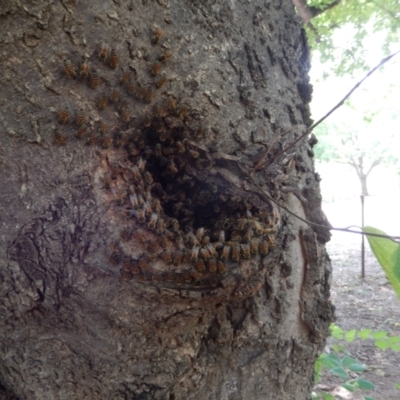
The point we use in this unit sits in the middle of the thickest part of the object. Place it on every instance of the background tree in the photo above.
(350, 52)
(140, 257)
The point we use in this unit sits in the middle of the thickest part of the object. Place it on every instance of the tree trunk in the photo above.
(122, 172)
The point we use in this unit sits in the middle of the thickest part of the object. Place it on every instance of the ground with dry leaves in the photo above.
(369, 303)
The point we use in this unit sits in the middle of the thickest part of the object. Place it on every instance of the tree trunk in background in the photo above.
(109, 287)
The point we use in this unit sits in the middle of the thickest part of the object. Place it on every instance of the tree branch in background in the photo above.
(307, 13)
(261, 162)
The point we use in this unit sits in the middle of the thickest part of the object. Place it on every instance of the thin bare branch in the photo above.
(268, 197)
(341, 102)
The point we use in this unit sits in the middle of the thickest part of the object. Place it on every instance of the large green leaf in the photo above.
(387, 252)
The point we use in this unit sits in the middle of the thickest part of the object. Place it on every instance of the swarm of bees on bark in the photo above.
(175, 229)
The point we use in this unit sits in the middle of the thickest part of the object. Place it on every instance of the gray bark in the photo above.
(86, 312)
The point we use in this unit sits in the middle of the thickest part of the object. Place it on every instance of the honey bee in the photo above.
(254, 246)
(178, 258)
(125, 234)
(126, 275)
(134, 201)
(170, 276)
(141, 216)
(152, 247)
(148, 178)
(126, 263)
(69, 69)
(160, 128)
(136, 173)
(225, 252)
(213, 280)
(63, 116)
(194, 154)
(142, 278)
(171, 103)
(235, 236)
(126, 115)
(153, 221)
(158, 150)
(103, 52)
(195, 253)
(156, 36)
(84, 70)
(172, 168)
(102, 101)
(133, 150)
(143, 264)
(235, 251)
(186, 256)
(179, 279)
(103, 128)
(131, 87)
(80, 118)
(205, 254)
(205, 241)
(200, 233)
(174, 225)
(126, 77)
(169, 151)
(123, 104)
(94, 80)
(156, 68)
(164, 241)
(156, 278)
(264, 247)
(148, 95)
(187, 278)
(182, 112)
(220, 236)
(248, 235)
(114, 259)
(114, 59)
(221, 267)
(211, 249)
(107, 142)
(134, 267)
(212, 265)
(160, 226)
(200, 266)
(166, 257)
(92, 140)
(161, 82)
(165, 56)
(245, 250)
(196, 275)
(257, 226)
(271, 241)
(180, 147)
(59, 140)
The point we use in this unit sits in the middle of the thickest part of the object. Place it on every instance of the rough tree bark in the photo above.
(110, 288)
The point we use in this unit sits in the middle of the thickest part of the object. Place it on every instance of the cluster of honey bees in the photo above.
(176, 229)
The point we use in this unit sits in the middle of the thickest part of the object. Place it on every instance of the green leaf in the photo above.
(339, 371)
(328, 396)
(336, 332)
(368, 398)
(346, 361)
(331, 361)
(394, 339)
(364, 333)
(364, 384)
(382, 344)
(379, 335)
(349, 387)
(397, 386)
(395, 346)
(387, 252)
(350, 335)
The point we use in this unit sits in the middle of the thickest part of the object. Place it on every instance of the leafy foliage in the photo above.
(346, 366)
(348, 53)
(387, 252)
